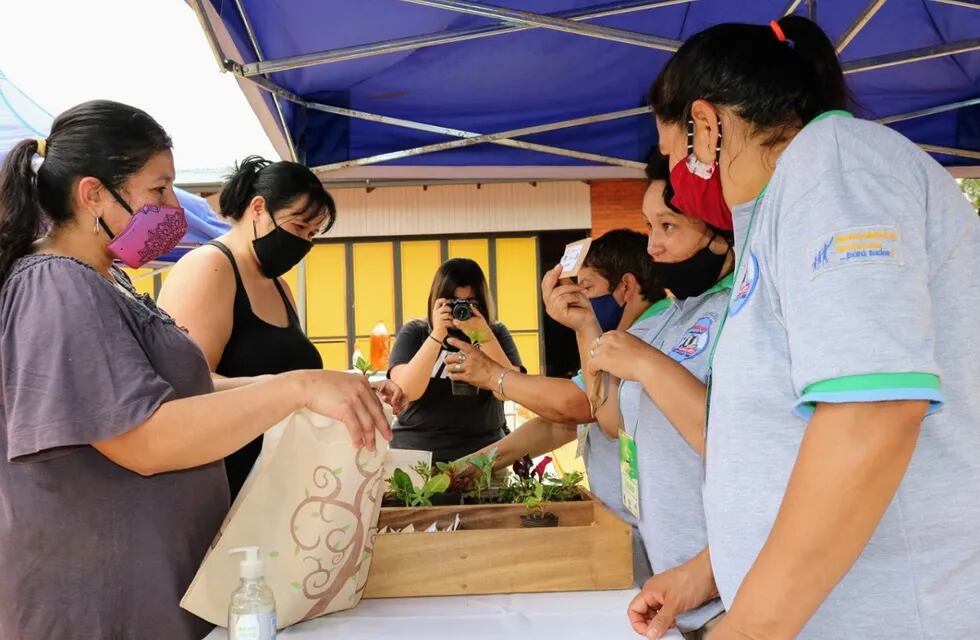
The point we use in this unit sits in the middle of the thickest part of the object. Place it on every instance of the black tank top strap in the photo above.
(240, 294)
(290, 312)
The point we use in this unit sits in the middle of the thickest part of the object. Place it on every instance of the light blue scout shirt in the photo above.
(601, 455)
(670, 471)
(860, 282)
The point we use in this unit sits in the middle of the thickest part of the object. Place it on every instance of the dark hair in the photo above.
(462, 272)
(658, 166)
(102, 139)
(621, 251)
(771, 84)
(280, 184)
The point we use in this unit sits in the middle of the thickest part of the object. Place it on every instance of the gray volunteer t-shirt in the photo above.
(601, 454)
(87, 548)
(670, 471)
(858, 284)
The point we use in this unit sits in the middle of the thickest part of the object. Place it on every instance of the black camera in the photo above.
(462, 309)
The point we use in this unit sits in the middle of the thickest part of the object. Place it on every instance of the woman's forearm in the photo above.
(494, 351)
(851, 462)
(534, 438)
(679, 395)
(585, 339)
(608, 416)
(222, 383)
(555, 399)
(194, 431)
(413, 377)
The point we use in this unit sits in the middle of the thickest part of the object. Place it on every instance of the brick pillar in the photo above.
(617, 204)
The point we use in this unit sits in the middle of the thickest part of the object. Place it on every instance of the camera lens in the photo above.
(462, 311)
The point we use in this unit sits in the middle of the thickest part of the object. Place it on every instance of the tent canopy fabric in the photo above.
(523, 77)
(21, 117)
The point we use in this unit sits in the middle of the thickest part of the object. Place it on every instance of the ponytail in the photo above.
(280, 184)
(771, 82)
(817, 53)
(239, 188)
(21, 218)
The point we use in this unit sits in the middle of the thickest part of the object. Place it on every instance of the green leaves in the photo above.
(401, 485)
(364, 366)
(436, 484)
(484, 462)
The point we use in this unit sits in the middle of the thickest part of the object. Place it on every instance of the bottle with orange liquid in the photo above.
(380, 347)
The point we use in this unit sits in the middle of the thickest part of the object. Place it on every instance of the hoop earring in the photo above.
(97, 219)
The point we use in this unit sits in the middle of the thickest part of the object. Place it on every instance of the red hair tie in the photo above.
(777, 30)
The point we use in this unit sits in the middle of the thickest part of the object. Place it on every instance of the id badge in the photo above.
(583, 437)
(629, 470)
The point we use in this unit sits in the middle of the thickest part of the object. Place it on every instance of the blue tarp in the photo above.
(538, 76)
(21, 117)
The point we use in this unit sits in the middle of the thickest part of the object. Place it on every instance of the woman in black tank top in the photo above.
(254, 348)
(230, 295)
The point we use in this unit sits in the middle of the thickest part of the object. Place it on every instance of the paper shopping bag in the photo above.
(311, 504)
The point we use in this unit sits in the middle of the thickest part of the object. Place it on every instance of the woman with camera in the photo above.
(450, 419)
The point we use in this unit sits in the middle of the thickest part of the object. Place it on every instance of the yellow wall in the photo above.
(420, 259)
(518, 296)
(326, 292)
(476, 249)
(374, 288)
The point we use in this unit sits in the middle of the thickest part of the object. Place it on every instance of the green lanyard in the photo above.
(721, 327)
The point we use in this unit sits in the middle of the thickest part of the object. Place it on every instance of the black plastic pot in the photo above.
(445, 499)
(538, 520)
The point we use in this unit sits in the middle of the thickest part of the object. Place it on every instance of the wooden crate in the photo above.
(590, 549)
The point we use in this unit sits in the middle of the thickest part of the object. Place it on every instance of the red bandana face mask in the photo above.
(694, 187)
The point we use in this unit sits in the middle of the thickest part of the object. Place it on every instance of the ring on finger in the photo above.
(461, 358)
(458, 368)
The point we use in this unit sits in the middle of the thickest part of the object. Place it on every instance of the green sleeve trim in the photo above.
(872, 387)
(875, 381)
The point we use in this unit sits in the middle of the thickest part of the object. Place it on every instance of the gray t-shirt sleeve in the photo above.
(73, 369)
(852, 284)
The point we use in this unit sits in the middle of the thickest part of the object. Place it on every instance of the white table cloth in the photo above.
(590, 615)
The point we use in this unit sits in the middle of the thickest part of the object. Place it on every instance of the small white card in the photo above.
(574, 257)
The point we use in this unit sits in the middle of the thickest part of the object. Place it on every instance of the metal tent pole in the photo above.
(915, 55)
(275, 100)
(951, 151)
(556, 24)
(443, 37)
(921, 113)
(859, 23)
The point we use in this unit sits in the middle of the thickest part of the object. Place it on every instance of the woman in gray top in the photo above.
(843, 454)
(111, 428)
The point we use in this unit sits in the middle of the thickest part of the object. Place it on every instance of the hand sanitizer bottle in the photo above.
(252, 612)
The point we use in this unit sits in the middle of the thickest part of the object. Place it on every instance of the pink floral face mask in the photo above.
(153, 231)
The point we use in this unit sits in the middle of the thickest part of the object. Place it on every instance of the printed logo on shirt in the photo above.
(746, 287)
(694, 341)
(439, 369)
(854, 246)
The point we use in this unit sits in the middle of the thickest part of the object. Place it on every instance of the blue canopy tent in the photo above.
(537, 89)
(21, 117)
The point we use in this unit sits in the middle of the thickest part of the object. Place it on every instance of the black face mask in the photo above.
(279, 251)
(694, 276)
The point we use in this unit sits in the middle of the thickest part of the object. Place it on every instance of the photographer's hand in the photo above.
(442, 319)
(476, 324)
